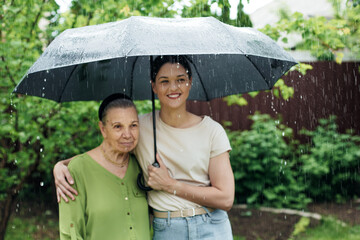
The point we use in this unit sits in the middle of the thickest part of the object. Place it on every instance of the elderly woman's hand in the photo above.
(159, 178)
(63, 180)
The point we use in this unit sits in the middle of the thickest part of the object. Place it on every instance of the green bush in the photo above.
(330, 163)
(263, 165)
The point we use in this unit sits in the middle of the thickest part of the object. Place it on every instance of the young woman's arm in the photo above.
(220, 193)
(63, 180)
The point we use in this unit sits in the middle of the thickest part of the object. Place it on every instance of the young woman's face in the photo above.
(172, 85)
(121, 129)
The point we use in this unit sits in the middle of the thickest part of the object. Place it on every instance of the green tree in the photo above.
(326, 39)
(21, 143)
(202, 8)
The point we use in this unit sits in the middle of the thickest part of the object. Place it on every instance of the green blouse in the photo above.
(107, 206)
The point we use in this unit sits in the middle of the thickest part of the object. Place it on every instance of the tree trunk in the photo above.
(9, 202)
(5, 213)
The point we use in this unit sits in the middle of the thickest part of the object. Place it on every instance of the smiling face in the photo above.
(172, 85)
(120, 129)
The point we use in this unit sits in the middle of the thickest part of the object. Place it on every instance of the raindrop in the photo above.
(44, 79)
(43, 95)
(37, 138)
(47, 71)
(41, 184)
(41, 149)
(283, 134)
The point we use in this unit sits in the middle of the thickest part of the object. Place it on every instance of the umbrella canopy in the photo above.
(90, 63)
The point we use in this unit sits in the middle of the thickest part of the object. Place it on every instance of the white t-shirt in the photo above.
(185, 151)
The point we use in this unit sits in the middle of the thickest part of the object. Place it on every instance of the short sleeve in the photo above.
(72, 213)
(219, 142)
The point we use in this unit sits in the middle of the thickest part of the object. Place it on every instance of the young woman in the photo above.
(109, 203)
(194, 186)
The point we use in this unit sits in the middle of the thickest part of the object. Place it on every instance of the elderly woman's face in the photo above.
(121, 129)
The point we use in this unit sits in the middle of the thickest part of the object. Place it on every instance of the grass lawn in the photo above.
(43, 227)
(330, 229)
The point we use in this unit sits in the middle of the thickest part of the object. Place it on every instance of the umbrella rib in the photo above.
(67, 81)
(229, 34)
(227, 30)
(201, 81)
(132, 77)
(263, 77)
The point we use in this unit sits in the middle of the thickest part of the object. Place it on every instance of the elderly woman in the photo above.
(109, 204)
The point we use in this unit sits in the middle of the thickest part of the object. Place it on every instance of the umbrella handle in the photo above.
(141, 185)
(156, 164)
(140, 178)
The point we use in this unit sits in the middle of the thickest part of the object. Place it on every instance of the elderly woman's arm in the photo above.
(72, 217)
(220, 193)
(63, 179)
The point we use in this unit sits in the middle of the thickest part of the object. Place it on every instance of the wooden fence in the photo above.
(328, 89)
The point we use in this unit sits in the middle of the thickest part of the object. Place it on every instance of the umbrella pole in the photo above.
(140, 179)
(156, 163)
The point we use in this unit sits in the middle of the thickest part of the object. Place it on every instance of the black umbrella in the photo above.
(90, 63)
